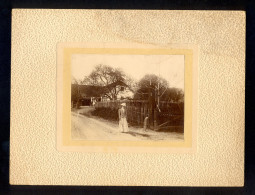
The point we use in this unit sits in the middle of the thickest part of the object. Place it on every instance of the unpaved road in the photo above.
(93, 128)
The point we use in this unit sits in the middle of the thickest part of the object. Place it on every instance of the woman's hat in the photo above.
(123, 104)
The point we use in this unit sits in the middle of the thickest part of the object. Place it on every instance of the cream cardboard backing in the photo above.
(219, 156)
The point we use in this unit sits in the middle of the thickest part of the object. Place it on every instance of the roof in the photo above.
(96, 91)
(89, 90)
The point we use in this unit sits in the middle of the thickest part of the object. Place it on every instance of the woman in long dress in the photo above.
(123, 125)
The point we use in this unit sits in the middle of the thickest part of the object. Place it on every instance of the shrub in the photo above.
(106, 113)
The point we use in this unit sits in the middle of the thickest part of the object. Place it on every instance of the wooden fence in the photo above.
(165, 114)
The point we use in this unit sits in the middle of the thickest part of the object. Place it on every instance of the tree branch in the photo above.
(102, 79)
(108, 96)
(163, 92)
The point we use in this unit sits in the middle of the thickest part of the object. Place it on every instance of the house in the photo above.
(124, 91)
(127, 93)
(87, 95)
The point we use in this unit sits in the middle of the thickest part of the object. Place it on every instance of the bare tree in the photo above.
(151, 83)
(111, 79)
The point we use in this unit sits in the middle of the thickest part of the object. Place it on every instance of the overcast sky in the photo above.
(170, 67)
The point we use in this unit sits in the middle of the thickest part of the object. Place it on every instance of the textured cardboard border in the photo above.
(219, 159)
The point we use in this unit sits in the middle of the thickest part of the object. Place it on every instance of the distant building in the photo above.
(88, 95)
(125, 92)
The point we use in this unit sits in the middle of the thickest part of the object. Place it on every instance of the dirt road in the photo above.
(93, 128)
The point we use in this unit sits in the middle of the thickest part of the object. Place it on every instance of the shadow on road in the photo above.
(137, 134)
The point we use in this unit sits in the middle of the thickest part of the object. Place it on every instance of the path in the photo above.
(93, 128)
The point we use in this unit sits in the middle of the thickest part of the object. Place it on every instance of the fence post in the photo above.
(137, 109)
(141, 114)
(151, 108)
(132, 112)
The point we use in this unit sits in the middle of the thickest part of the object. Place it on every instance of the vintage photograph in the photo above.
(127, 97)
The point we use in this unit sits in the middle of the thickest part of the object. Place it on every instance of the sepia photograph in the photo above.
(127, 97)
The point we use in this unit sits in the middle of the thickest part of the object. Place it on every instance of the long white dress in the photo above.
(123, 125)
